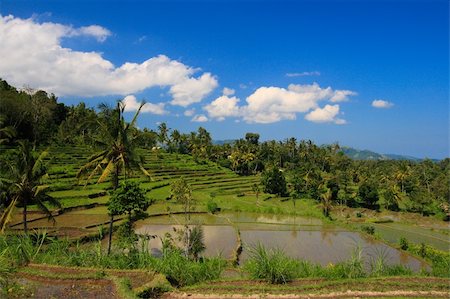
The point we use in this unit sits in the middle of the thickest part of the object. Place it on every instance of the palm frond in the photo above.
(39, 163)
(106, 172)
(7, 214)
(133, 121)
(44, 209)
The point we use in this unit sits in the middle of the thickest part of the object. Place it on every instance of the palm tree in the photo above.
(6, 132)
(25, 185)
(118, 151)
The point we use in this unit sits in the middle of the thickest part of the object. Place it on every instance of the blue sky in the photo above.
(367, 74)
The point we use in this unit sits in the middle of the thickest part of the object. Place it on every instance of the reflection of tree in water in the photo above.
(326, 236)
(294, 232)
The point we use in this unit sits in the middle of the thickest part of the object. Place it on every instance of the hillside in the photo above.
(357, 154)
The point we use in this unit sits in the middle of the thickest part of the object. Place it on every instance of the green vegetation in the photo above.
(56, 160)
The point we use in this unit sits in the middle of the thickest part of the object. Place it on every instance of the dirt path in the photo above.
(347, 294)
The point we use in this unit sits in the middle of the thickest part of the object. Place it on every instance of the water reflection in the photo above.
(316, 243)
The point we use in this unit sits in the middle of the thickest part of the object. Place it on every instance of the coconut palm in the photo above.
(25, 184)
(118, 154)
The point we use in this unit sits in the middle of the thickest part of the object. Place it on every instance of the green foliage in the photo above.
(181, 192)
(181, 271)
(404, 244)
(274, 182)
(271, 265)
(368, 194)
(25, 184)
(212, 206)
(369, 229)
(353, 268)
(127, 199)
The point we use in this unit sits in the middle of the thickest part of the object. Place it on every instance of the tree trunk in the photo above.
(25, 227)
(110, 233)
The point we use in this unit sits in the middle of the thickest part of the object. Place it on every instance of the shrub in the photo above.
(404, 244)
(272, 266)
(212, 207)
(369, 229)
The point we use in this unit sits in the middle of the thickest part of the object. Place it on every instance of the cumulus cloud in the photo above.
(223, 107)
(342, 96)
(131, 104)
(200, 118)
(189, 112)
(273, 104)
(325, 114)
(98, 32)
(192, 90)
(382, 104)
(45, 64)
(228, 91)
(302, 74)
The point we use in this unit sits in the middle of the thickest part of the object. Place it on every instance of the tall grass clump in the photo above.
(182, 271)
(271, 265)
(379, 266)
(352, 268)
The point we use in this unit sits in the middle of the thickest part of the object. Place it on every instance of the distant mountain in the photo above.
(369, 155)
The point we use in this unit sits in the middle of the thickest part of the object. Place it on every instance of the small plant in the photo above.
(369, 229)
(404, 244)
(422, 250)
(212, 207)
(272, 266)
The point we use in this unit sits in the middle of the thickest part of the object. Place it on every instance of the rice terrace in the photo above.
(255, 190)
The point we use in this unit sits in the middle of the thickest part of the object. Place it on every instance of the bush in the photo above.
(369, 229)
(272, 266)
(212, 207)
(404, 244)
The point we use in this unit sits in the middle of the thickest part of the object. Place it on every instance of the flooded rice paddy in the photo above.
(299, 237)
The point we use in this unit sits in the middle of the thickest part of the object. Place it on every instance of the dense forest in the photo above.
(290, 168)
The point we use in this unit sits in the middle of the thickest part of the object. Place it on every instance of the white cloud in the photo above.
(189, 112)
(45, 64)
(200, 118)
(223, 107)
(131, 104)
(243, 86)
(325, 114)
(98, 32)
(273, 104)
(228, 91)
(192, 90)
(302, 74)
(342, 96)
(382, 104)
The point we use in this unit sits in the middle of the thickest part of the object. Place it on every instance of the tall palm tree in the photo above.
(118, 152)
(25, 184)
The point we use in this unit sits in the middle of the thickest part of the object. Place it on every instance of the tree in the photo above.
(182, 193)
(118, 151)
(274, 182)
(163, 133)
(127, 199)
(26, 188)
(368, 193)
(257, 190)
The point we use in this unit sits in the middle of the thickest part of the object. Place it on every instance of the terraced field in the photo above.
(84, 202)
